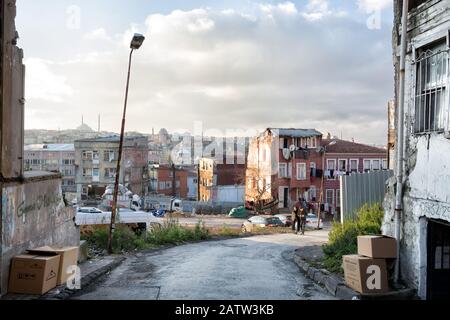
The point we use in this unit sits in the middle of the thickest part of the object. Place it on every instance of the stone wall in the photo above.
(33, 215)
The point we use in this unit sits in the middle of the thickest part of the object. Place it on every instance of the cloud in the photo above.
(231, 70)
(317, 10)
(97, 34)
(42, 83)
(370, 6)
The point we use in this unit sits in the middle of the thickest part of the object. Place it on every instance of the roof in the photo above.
(50, 147)
(343, 146)
(296, 133)
(111, 139)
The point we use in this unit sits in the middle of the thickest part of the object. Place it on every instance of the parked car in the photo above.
(287, 220)
(261, 222)
(89, 210)
(311, 222)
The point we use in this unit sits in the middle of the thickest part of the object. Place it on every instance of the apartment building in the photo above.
(96, 163)
(53, 158)
(282, 167)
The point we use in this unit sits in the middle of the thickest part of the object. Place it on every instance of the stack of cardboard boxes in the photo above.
(367, 272)
(42, 269)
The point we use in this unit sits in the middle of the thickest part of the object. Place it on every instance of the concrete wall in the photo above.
(33, 215)
(12, 95)
(427, 172)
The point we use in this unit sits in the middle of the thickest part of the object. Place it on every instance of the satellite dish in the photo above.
(292, 148)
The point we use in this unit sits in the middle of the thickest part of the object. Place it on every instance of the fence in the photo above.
(358, 189)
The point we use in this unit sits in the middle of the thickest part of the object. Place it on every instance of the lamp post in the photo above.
(136, 43)
(322, 182)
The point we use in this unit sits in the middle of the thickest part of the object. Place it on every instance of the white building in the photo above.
(424, 222)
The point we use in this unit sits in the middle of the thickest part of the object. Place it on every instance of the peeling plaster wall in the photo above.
(34, 215)
(427, 157)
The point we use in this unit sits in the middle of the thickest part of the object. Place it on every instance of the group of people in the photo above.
(299, 214)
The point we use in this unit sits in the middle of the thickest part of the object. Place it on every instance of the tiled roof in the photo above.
(343, 146)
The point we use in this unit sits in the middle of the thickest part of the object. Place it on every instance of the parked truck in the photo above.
(168, 204)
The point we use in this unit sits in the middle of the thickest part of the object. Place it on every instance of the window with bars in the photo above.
(431, 89)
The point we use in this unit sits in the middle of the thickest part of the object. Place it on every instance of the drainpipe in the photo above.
(400, 138)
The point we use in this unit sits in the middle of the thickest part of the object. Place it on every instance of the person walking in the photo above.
(299, 212)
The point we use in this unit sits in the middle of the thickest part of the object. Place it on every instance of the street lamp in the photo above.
(136, 43)
(324, 149)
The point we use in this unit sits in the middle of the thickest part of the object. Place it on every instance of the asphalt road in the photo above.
(257, 268)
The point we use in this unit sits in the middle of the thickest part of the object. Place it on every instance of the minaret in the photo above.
(99, 122)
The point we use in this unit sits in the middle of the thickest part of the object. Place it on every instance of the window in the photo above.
(178, 184)
(385, 164)
(283, 170)
(367, 165)
(301, 171)
(330, 196)
(284, 143)
(168, 184)
(95, 155)
(96, 173)
(314, 142)
(87, 172)
(431, 88)
(376, 164)
(87, 155)
(109, 155)
(354, 164)
(342, 165)
(110, 172)
(331, 167)
(162, 186)
(68, 162)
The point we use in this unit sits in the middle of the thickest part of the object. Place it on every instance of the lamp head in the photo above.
(137, 41)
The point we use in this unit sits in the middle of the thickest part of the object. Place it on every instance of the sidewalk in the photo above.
(91, 271)
(308, 259)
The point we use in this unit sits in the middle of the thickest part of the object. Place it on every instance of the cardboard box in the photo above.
(366, 275)
(33, 274)
(69, 257)
(377, 247)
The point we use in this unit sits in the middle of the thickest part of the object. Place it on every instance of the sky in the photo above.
(229, 67)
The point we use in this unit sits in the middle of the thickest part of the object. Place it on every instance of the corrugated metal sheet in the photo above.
(359, 189)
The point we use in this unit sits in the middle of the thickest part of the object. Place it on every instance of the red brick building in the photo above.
(169, 181)
(344, 157)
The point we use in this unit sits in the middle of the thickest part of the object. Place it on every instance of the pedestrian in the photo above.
(303, 212)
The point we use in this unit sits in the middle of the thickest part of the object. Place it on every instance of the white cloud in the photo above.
(43, 83)
(317, 10)
(370, 6)
(97, 34)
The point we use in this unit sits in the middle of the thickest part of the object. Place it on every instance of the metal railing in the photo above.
(431, 111)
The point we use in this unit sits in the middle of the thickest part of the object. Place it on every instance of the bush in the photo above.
(125, 239)
(343, 237)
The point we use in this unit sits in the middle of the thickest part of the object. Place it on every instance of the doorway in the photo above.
(438, 266)
(286, 198)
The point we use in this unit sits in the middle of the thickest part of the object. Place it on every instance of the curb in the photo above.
(86, 281)
(332, 283)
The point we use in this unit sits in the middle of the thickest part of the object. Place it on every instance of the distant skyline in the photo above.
(244, 65)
